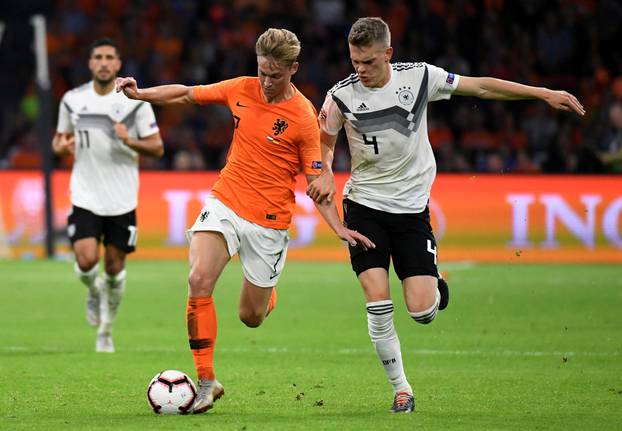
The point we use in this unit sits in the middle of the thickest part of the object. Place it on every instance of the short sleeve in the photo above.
(441, 84)
(310, 153)
(331, 118)
(64, 124)
(146, 124)
(215, 93)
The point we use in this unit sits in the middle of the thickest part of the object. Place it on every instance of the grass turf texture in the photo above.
(519, 347)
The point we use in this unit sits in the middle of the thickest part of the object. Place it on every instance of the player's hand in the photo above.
(121, 131)
(323, 187)
(353, 238)
(128, 86)
(63, 144)
(564, 101)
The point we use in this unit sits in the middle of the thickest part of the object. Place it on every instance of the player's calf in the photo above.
(386, 343)
(90, 279)
(110, 299)
(115, 284)
(272, 302)
(93, 302)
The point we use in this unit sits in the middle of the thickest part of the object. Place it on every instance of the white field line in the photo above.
(355, 351)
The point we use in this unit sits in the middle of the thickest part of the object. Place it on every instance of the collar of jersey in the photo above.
(385, 86)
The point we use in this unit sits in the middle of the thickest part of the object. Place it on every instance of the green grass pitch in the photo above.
(520, 347)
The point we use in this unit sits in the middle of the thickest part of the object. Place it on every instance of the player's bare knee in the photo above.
(419, 304)
(424, 311)
(114, 267)
(200, 282)
(86, 261)
(251, 318)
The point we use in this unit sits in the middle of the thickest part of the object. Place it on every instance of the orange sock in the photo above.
(202, 331)
(272, 302)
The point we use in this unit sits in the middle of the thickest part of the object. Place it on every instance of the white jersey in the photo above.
(393, 165)
(104, 179)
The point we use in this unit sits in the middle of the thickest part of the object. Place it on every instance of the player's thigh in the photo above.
(413, 246)
(208, 257)
(368, 222)
(263, 252)
(217, 217)
(84, 230)
(121, 231)
(375, 284)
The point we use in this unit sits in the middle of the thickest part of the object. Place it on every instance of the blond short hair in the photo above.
(369, 30)
(279, 44)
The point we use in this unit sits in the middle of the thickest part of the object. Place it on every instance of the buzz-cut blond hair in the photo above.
(279, 44)
(369, 30)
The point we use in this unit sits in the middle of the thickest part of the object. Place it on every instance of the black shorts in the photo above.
(407, 239)
(119, 230)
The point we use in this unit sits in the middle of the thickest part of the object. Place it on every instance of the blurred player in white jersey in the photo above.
(106, 132)
(383, 107)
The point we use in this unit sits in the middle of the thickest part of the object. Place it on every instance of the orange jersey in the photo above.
(271, 144)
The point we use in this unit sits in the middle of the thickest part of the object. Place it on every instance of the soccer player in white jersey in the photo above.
(383, 108)
(106, 132)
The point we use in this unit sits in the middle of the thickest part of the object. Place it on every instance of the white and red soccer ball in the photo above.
(171, 392)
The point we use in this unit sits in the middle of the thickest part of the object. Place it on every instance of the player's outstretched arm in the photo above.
(329, 212)
(323, 187)
(160, 95)
(499, 89)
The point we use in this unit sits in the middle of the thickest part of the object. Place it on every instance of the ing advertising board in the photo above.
(487, 218)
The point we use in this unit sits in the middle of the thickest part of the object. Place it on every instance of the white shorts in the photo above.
(262, 249)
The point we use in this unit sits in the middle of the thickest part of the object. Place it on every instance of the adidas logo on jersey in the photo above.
(363, 107)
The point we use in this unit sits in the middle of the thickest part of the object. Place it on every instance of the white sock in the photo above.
(387, 344)
(111, 298)
(87, 277)
(116, 281)
(427, 315)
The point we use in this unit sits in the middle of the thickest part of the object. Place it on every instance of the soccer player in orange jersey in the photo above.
(250, 207)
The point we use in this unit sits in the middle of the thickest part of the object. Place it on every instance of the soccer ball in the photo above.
(171, 392)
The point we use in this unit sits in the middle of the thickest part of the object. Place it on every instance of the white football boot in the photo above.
(103, 343)
(207, 393)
